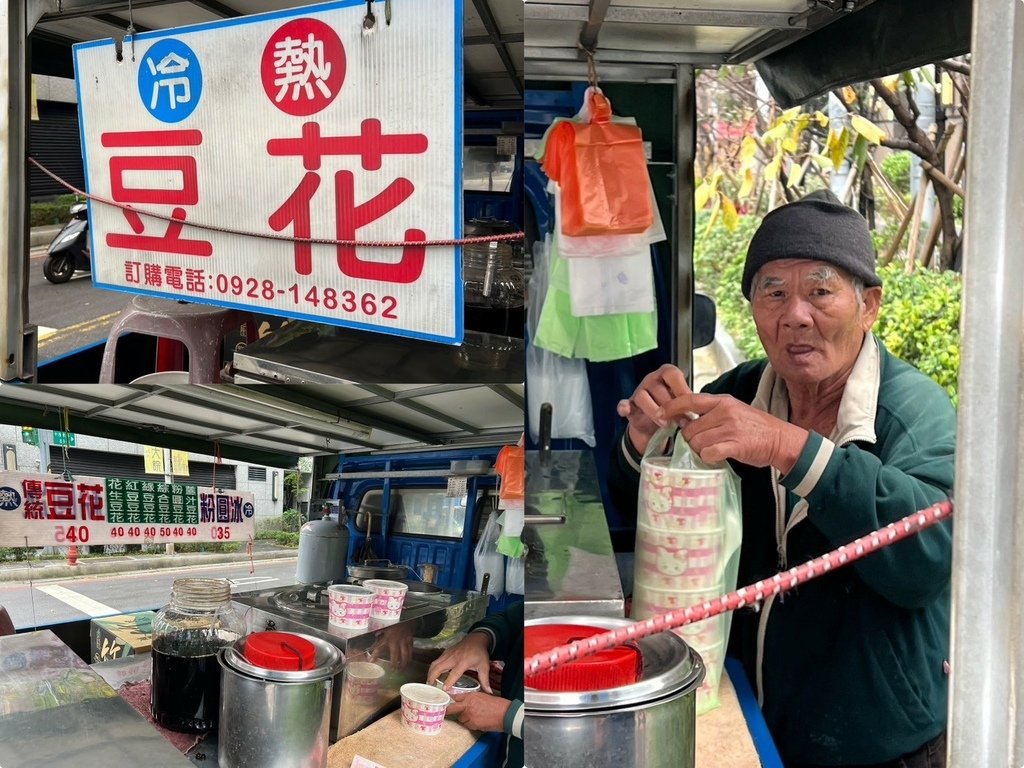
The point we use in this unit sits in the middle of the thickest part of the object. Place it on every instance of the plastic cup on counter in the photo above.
(362, 681)
(388, 598)
(349, 606)
(423, 708)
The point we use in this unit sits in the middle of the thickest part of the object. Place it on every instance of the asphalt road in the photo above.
(51, 601)
(72, 315)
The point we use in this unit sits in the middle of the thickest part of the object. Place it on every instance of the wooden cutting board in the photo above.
(722, 735)
(389, 744)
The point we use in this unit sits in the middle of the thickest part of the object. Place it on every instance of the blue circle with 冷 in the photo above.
(248, 509)
(170, 80)
(10, 499)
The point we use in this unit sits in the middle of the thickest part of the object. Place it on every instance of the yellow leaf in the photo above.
(789, 115)
(837, 145)
(701, 196)
(715, 178)
(849, 95)
(730, 218)
(891, 82)
(796, 175)
(789, 144)
(776, 133)
(771, 171)
(821, 118)
(714, 214)
(748, 150)
(747, 186)
(867, 129)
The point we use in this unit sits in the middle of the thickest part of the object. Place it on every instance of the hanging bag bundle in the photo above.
(602, 171)
(689, 527)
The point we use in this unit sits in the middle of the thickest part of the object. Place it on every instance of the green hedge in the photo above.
(51, 212)
(919, 320)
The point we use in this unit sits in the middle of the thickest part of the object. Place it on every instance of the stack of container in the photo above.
(686, 539)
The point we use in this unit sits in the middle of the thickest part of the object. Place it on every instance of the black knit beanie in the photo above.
(817, 227)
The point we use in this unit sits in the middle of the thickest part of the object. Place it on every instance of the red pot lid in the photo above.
(611, 668)
(280, 651)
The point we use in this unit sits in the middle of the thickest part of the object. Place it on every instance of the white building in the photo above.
(102, 457)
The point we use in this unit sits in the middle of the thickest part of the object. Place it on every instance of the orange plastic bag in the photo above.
(601, 169)
(510, 465)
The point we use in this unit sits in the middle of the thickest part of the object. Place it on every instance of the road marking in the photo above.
(246, 580)
(85, 325)
(43, 332)
(86, 605)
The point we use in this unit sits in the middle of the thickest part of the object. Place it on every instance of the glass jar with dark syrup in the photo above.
(187, 634)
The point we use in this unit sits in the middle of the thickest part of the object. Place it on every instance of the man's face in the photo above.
(809, 319)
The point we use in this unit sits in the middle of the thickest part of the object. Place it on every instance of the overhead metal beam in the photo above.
(509, 394)
(484, 10)
(223, 10)
(697, 59)
(420, 408)
(29, 416)
(71, 9)
(507, 37)
(117, 21)
(592, 24)
(691, 17)
(610, 73)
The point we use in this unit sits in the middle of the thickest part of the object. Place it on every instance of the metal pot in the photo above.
(275, 719)
(649, 724)
(378, 569)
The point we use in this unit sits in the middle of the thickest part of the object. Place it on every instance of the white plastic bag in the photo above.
(551, 378)
(515, 576)
(487, 559)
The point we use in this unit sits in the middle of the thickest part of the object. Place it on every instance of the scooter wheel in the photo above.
(59, 269)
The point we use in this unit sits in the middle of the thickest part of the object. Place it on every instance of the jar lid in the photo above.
(327, 662)
(280, 651)
(611, 668)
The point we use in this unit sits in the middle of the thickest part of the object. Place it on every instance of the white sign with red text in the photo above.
(295, 123)
(49, 510)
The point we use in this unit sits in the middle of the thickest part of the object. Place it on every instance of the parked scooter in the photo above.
(69, 251)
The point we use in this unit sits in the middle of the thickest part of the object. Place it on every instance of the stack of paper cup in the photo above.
(349, 606)
(680, 558)
(423, 708)
(388, 598)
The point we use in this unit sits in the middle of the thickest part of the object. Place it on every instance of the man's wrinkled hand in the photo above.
(656, 390)
(730, 429)
(469, 653)
(480, 711)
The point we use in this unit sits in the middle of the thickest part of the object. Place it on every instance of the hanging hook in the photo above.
(131, 29)
(591, 67)
(369, 20)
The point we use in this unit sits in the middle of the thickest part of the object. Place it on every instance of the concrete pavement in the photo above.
(38, 570)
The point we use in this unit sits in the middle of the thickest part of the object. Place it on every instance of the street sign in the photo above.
(297, 124)
(153, 460)
(64, 438)
(47, 510)
(179, 463)
(30, 435)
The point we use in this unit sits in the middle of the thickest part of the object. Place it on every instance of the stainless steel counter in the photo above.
(570, 566)
(305, 353)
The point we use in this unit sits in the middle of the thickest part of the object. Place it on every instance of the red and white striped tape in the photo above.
(753, 593)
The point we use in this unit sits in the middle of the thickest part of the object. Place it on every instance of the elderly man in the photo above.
(831, 437)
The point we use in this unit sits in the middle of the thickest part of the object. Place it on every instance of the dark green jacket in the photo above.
(506, 632)
(853, 668)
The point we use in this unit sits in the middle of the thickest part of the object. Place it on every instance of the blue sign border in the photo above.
(459, 97)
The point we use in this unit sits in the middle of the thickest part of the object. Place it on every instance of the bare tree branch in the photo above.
(905, 118)
(957, 66)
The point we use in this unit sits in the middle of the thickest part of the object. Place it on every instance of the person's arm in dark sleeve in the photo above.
(503, 628)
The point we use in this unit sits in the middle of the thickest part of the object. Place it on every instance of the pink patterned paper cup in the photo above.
(423, 708)
(676, 560)
(362, 681)
(349, 606)
(388, 598)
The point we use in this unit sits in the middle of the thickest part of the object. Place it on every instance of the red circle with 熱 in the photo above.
(303, 67)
